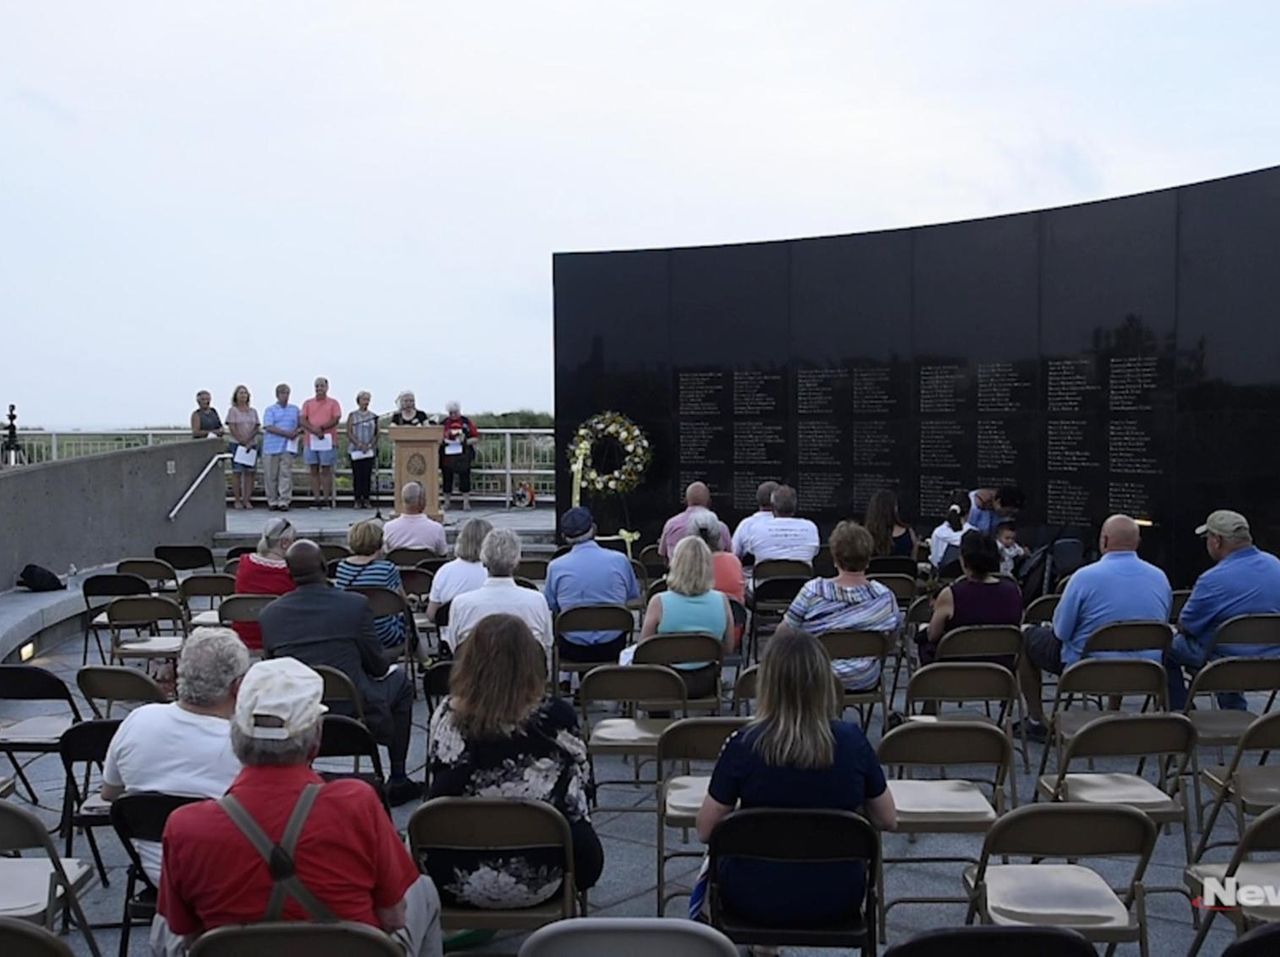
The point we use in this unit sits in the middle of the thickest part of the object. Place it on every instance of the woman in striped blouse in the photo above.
(366, 568)
(848, 602)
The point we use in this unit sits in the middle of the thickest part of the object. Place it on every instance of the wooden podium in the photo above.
(416, 457)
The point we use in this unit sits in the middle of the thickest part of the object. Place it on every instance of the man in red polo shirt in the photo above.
(347, 862)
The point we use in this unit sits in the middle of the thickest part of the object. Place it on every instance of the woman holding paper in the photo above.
(243, 427)
(362, 445)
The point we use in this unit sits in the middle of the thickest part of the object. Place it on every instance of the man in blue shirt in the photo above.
(589, 575)
(279, 447)
(1243, 581)
(988, 507)
(1118, 587)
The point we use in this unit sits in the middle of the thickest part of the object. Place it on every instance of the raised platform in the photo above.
(536, 526)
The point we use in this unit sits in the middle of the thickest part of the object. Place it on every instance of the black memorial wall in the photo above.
(1114, 356)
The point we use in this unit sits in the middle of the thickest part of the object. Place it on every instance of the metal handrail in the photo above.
(208, 467)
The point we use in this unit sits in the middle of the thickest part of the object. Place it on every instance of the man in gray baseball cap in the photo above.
(1243, 581)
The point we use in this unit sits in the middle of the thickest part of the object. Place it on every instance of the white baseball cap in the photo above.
(283, 689)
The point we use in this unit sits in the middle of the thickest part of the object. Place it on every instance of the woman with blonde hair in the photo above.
(366, 567)
(796, 754)
(465, 573)
(691, 604)
(243, 429)
(497, 735)
(407, 411)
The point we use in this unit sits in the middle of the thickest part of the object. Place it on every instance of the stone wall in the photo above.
(98, 509)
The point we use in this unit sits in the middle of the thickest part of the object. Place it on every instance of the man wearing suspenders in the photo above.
(284, 845)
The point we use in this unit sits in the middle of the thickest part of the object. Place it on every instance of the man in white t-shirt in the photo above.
(764, 499)
(184, 747)
(413, 529)
(784, 536)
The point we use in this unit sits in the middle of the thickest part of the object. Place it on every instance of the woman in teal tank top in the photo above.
(690, 604)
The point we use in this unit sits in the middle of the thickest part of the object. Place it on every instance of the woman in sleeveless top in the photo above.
(204, 420)
(891, 535)
(981, 597)
(691, 604)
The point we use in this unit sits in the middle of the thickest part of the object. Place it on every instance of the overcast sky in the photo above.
(195, 194)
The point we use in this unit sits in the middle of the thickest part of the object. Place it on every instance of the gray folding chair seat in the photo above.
(1067, 894)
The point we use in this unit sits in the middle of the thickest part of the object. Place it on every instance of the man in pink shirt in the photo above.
(697, 497)
(320, 417)
(413, 529)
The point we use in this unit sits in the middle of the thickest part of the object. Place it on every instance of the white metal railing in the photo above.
(505, 458)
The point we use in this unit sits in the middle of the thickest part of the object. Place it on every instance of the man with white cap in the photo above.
(333, 852)
(1243, 581)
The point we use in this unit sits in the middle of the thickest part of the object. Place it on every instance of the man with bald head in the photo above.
(697, 497)
(1120, 586)
(413, 528)
(323, 625)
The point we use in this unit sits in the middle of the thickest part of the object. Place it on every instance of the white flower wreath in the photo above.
(635, 449)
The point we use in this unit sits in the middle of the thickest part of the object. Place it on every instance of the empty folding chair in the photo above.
(243, 608)
(1222, 727)
(140, 816)
(904, 587)
(892, 565)
(1251, 788)
(18, 938)
(40, 734)
(962, 683)
(627, 937)
(1263, 835)
(186, 558)
(1064, 895)
(417, 588)
(146, 627)
(745, 689)
(162, 576)
(342, 737)
(636, 689)
(214, 588)
(534, 569)
(995, 942)
(1180, 596)
(296, 938)
(1040, 611)
(340, 694)
(231, 566)
(85, 743)
(1167, 739)
(680, 795)
(781, 568)
(97, 591)
(808, 836)
(1099, 678)
(655, 565)
(38, 888)
(496, 828)
(768, 601)
(237, 550)
(954, 804)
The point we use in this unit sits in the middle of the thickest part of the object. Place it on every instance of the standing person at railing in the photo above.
(320, 417)
(280, 431)
(407, 411)
(204, 420)
(457, 452)
(362, 446)
(243, 427)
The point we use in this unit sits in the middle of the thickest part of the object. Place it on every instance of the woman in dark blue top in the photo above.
(793, 755)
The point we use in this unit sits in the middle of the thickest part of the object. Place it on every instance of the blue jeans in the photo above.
(1182, 653)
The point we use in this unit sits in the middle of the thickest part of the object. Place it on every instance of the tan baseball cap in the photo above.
(1224, 522)
(284, 690)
